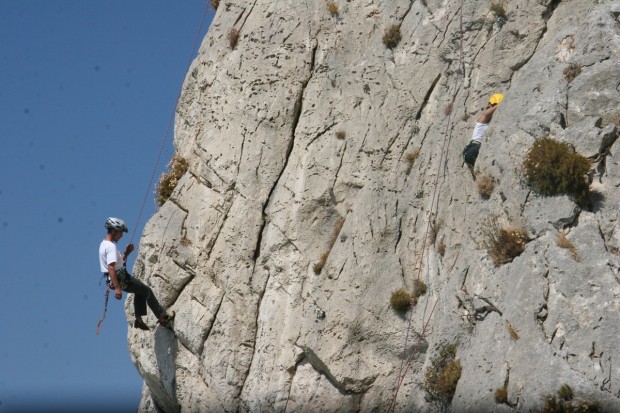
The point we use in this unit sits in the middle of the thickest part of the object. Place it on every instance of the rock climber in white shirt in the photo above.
(470, 152)
(118, 279)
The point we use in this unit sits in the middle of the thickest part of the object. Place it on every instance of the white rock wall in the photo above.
(273, 185)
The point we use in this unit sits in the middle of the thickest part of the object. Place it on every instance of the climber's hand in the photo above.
(129, 249)
(118, 294)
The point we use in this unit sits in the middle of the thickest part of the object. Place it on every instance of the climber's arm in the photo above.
(487, 114)
(118, 294)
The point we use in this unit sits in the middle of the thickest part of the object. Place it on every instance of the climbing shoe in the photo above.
(141, 325)
(165, 319)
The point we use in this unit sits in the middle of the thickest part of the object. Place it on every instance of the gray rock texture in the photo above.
(304, 207)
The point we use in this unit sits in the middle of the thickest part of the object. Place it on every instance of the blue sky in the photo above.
(86, 91)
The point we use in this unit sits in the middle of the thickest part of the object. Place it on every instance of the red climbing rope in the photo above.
(170, 122)
(105, 307)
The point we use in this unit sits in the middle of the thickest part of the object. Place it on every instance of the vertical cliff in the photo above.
(325, 173)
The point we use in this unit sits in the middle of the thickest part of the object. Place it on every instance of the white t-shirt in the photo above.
(479, 130)
(108, 253)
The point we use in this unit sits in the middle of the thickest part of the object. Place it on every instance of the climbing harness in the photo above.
(470, 153)
(161, 149)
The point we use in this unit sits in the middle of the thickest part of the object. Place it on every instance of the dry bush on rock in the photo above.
(552, 168)
(392, 36)
(565, 392)
(341, 134)
(215, 4)
(401, 300)
(565, 243)
(501, 395)
(503, 243)
(419, 288)
(511, 330)
(441, 247)
(498, 10)
(168, 180)
(572, 71)
(565, 402)
(486, 185)
(434, 230)
(233, 38)
(332, 7)
(442, 375)
(411, 157)
(318, 266)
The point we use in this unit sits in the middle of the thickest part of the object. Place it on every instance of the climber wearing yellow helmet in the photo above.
(470, 152)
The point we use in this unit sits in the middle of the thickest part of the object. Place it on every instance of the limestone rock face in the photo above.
(325, 172)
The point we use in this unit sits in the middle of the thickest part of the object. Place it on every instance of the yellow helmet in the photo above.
(496, 99)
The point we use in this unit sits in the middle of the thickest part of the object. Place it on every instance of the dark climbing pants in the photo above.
(470, 153)
(143, 295)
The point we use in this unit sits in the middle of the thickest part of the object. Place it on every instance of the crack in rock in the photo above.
(347, 385)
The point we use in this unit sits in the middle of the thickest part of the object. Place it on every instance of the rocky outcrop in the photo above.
(325, 172)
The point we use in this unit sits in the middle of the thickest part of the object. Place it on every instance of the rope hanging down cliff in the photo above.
(170, 122)
(406, 363)
(161, 148)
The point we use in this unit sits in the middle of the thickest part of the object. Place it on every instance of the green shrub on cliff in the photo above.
(552, 168)
(443, 375)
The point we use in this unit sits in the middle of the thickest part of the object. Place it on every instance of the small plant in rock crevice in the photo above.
(552, 168)
(486, 185)
(572, 71)
(501, 395)
(341, 134)
(565, 243)
(401, 300)
(441, 247)
(503, 243)
(215, 4)
(419, 288)
(233, 38)
(434, 230)
(392, 36)
(168, 180)
(564, 401)
(611, 120)
(186, 242)
(565, 393)
(332, 7)
(512, 332)
(410, 158)
(318, 266)
(442, 376)
(498, 10)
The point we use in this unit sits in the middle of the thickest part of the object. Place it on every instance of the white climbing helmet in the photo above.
(116, 223)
